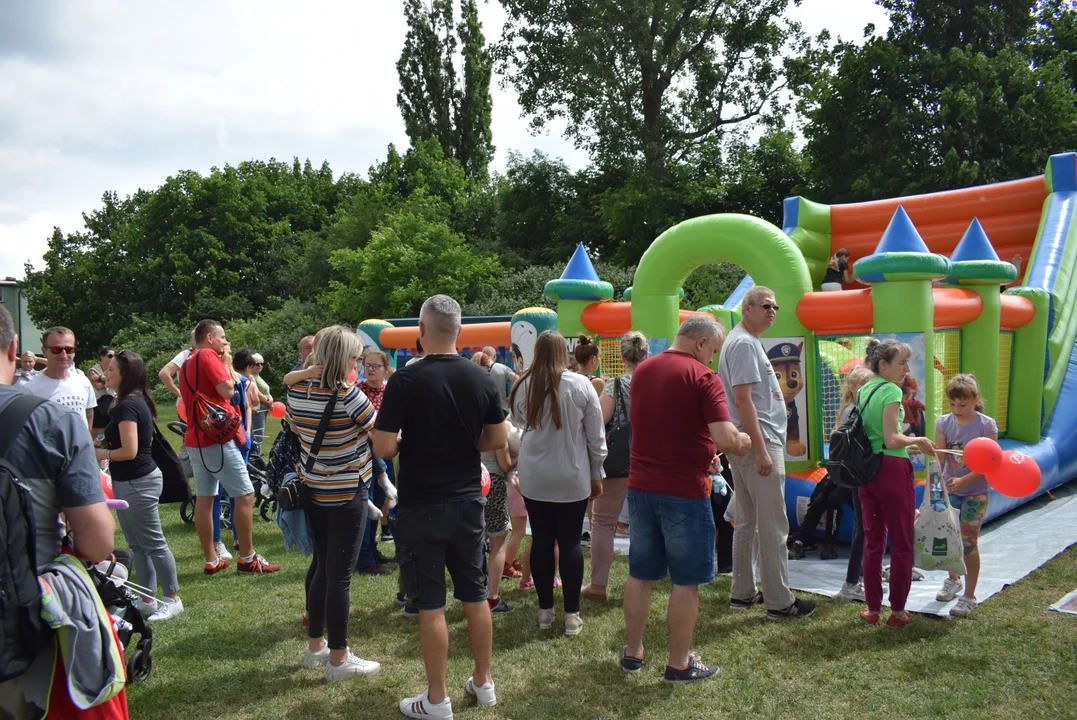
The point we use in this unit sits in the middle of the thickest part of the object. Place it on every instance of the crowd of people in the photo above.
(559, 445)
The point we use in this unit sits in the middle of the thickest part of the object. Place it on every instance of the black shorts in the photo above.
(432, 538)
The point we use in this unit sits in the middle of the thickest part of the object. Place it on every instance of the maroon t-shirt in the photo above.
(202, 372)
(674, 399)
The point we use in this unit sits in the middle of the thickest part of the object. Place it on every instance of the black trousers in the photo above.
(338, 533)
(723, 542)
(856, 551)
(561, 523)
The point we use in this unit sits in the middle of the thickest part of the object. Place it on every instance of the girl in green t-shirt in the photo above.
(888, 502)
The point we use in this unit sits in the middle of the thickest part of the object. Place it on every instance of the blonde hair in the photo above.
(634, 349)
(335, 350)
(856, 379)
(372, 351)
(964, 387)
(312, 358)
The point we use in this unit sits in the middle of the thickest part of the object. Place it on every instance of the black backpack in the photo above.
(851, 461)
(22, 633)
(618, 436)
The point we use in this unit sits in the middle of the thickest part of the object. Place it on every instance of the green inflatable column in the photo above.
(900, 272)
(975, 265)
(578, 287)
(1025, 416)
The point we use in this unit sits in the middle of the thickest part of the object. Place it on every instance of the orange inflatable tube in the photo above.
(610, 319)
(849, 311)
(1017, 311)
(956, 306)
(477, 335)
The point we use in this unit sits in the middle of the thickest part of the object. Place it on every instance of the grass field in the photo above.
(236, 653)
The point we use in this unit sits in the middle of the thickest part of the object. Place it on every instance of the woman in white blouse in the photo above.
(560, 467)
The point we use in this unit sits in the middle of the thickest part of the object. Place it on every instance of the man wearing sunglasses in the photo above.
(61, 381)
(758, 408)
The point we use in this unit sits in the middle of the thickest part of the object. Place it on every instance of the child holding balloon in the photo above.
(969, 491)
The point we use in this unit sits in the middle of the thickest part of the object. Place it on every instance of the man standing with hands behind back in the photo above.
(446, 411)
(758, 409)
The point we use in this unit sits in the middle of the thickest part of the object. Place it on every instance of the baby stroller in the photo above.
(265, 500)
(120, 603)
(187, 506)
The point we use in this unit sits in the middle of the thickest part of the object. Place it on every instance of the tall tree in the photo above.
(432, 100)
(936, 104)
(651, 80)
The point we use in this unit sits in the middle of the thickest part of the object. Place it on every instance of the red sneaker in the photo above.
(898, 619)
(211, 569)
(517, 566)
(257, 566)
(510, 573)
(871, 618)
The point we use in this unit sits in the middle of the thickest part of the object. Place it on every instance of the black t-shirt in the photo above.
(134, 409)
(441, 404)
(836, 276)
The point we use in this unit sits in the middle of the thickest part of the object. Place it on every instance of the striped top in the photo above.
(344, 459)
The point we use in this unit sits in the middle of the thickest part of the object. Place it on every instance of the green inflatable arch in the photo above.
(762, 250)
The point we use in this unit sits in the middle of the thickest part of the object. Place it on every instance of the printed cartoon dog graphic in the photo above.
(785, 358)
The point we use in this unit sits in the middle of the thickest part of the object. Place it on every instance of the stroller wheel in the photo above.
(265, 510)
(140, 663)
(187, 511)
(226, 515)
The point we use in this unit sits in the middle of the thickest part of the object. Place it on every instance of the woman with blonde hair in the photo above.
(607, 506)
(838, 271)
(335, 475)
(560, 467)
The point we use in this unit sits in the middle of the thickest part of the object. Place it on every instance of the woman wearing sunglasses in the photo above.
(105, 395)
(376, 369)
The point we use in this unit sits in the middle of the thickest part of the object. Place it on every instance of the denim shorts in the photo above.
(431, 539)
(670, 533)
(219, 464)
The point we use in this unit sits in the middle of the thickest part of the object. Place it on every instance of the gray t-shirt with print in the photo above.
(743, 362)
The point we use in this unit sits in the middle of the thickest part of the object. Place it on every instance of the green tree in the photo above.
(918, 111)
(651, 80)
(411, 256)
(432, 100)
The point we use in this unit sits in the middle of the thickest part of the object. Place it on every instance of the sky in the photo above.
(103, 95)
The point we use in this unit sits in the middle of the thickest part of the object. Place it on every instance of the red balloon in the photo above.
(485, 482)
(277, 409)
(982, 455)
(353, 377)
(1018, 476)
(181, 410)
(106, 486)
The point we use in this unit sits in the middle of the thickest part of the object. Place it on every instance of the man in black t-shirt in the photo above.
(445, 411)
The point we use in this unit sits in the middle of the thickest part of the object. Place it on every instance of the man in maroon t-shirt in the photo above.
(679, 416)
(203, 372)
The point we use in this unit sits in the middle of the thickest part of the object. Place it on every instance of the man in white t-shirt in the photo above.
(173, 366)
(61, 381)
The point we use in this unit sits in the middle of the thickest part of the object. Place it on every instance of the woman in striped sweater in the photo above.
(336, 481)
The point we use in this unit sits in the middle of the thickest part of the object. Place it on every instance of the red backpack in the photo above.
(213, 415)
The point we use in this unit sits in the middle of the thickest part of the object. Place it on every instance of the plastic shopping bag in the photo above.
(937, 531)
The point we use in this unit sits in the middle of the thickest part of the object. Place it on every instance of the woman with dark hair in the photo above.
(888, 502)
(136, 479)
(560, 467)
(588, 360)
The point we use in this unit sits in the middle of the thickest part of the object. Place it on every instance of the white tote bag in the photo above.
(936, 538)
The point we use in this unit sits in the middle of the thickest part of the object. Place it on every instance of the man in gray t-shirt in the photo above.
(503, 376)
(758, 409)
(53, 456)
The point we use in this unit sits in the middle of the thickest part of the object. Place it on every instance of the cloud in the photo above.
(98, 95)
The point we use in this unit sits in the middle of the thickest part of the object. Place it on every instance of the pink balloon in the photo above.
(485, 482)
(277, 409)
(982, 455)
(1018, 476)
(353, 377)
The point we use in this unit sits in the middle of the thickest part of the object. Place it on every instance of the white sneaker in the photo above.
(222, 551)
(146, 607)
(166, 610)
(573, 624)
(950, 589)
(484, 694)
(545, 619)
(964, 606)
(351, 667)
(313, 660)
(854, 592)
(421, 707)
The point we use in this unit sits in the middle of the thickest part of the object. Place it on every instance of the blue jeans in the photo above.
(670, 533)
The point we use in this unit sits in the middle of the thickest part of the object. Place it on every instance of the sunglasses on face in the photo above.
(110, 355)
(373, 366)
(768, 306)
(57, 349)
(258, 364)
